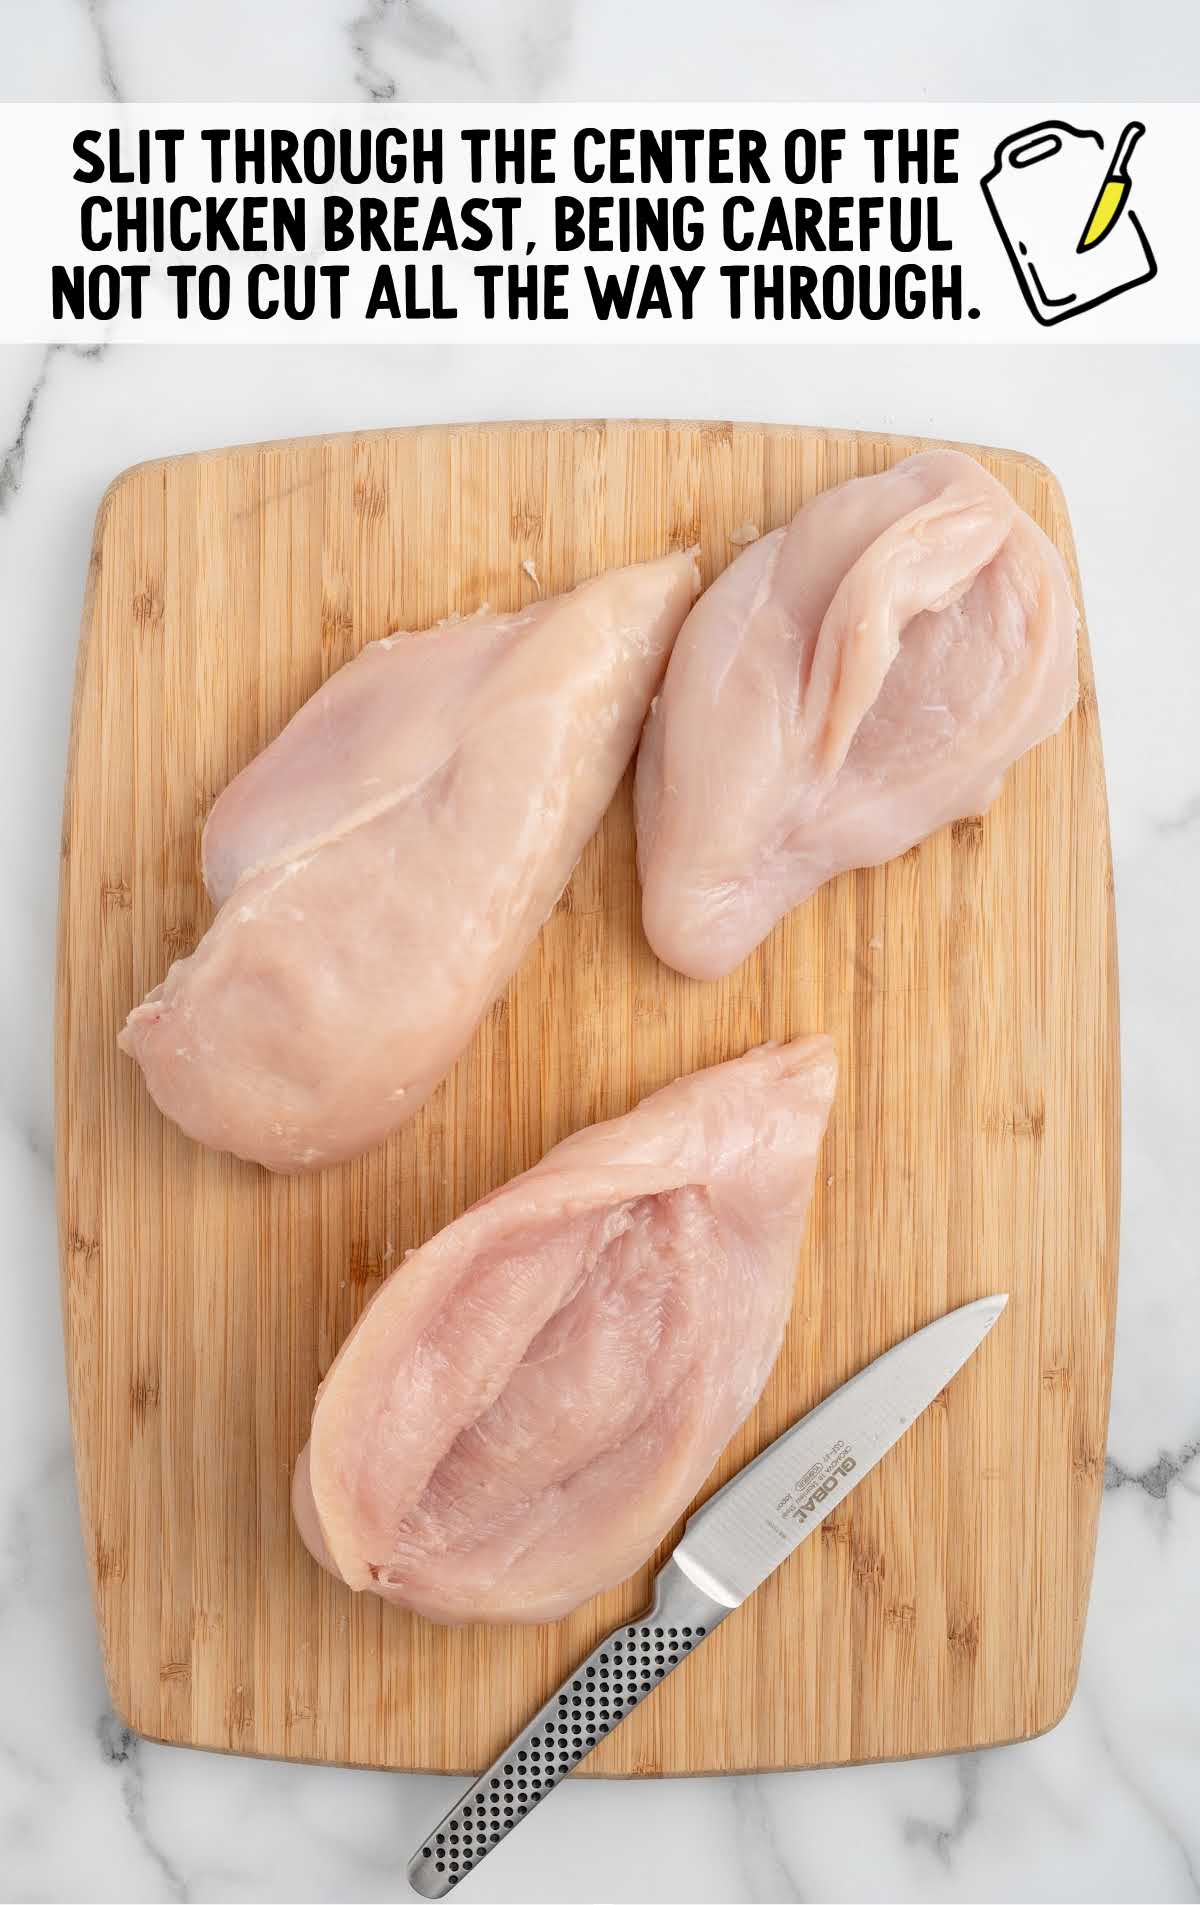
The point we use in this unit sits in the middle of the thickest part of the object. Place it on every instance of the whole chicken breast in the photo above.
(531, 1400)
(849, 684)
(383, 866)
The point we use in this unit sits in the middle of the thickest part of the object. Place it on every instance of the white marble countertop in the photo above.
(1105, 1807)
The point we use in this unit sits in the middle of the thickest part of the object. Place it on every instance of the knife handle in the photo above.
(614, 1679)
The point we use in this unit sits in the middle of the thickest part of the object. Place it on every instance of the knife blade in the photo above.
(729, 1548)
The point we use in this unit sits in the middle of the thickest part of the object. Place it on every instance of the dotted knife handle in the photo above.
(614, 1679)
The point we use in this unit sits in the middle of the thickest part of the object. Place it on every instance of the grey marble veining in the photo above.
(1104, 1807)
(594, 49)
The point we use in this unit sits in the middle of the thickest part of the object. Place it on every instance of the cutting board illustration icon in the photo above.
(1060, 204)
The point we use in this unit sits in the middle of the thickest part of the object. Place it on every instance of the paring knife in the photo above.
(729, 1547)
(1114, 190)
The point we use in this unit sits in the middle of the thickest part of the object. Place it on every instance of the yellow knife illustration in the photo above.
(1114, 191)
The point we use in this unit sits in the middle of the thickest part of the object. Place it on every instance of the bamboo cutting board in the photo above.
(970, 987)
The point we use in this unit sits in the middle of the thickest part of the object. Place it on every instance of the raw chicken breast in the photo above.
(849, 684)
(384, 865)
(534, 1397)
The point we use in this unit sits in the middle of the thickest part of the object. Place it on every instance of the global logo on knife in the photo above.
(804, 1509)
(1062, 209)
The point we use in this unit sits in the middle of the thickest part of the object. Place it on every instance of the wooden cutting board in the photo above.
(970, 987)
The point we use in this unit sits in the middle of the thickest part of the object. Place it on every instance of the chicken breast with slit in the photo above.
(534, 1397)
(849, 684)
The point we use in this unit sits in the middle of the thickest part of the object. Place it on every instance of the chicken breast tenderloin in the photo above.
(382, 867)
(532, 1399)
(848, 685)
